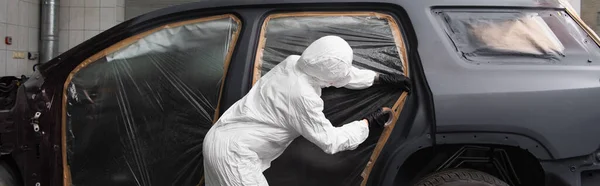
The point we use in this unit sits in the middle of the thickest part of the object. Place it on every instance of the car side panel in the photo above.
(557, 105)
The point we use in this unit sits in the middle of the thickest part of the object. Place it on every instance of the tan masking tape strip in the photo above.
(397, 108)
(259, 51)
(225, 69)
(580, 22)
(201, 181)
(383, 138)
(117, 46)
(232, 44)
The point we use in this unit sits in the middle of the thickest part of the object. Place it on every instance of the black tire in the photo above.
(460, 177)
(7, 178)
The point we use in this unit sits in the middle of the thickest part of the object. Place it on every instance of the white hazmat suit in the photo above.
(284, 104)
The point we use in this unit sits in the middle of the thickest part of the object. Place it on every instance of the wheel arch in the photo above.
(393, 170)
(536, 148)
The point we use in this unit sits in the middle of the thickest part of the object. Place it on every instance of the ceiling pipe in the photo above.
(49, 30)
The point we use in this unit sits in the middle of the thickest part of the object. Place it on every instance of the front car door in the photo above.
(135, 112)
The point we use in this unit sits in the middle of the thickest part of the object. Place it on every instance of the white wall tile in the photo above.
(120, 15)
(108, 3)
(24, 13)
(24, 38)
(63, 19)
(107, 18)
(30, 64)
(11, 65)
(26, 67)
(63, 41)
(75, 38)
(2, 62)
(13, 31)
(3, 12)
(92, 18)
(121, 3)
(33, 39)
(12, 12)
(2, 35)
(76, 18)
(34, 17)
(76, 3)
(21, 65)
(89, 34)
(64, 2)
(3, 66)
(92, 3)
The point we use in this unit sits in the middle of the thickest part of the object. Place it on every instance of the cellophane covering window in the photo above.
(138, 116)
(518, 36)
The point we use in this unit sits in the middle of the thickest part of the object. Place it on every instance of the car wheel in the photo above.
(460, 177)
(6, 176)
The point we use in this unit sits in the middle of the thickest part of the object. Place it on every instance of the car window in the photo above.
(137, 112)
(518, 36)
(378, 45)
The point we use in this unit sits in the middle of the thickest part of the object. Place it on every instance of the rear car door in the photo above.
(378, 45)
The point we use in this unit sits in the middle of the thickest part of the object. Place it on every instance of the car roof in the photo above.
(407, 4)
(226, 3)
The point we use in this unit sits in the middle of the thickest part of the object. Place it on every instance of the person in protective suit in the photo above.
(285, 104)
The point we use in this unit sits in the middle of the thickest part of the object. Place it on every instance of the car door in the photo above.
(378, 45)
(136, 112)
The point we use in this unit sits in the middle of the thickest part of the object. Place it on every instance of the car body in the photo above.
(538, 120)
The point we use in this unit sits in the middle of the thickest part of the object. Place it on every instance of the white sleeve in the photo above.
(308, 119)
(361, 78)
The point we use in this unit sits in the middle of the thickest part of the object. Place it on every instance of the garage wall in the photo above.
(590, 12)
(19, 19)
(577, 5)
(80, 20)
(134, 8)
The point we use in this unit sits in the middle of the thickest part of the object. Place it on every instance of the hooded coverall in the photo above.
(284, 104)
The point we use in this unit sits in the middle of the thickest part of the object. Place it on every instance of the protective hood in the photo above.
(328, 60)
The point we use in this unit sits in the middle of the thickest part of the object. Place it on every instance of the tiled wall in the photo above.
(590, 12)
(82, 19)
(134, 8)
(576, 4)
(20, 20)
(79, 20)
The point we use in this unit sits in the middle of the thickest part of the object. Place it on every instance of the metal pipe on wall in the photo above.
(49, 33)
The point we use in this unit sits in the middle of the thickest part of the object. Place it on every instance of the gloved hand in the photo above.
(378, 118)
(401, 81)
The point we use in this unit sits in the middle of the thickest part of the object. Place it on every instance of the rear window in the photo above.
(518, 37)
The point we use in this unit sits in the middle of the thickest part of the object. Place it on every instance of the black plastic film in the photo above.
(139, 115)
(372, 41)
